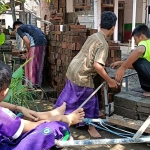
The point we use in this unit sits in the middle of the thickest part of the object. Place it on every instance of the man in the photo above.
(139, 59)
(84, 66)
(26, 134)
(33, 69)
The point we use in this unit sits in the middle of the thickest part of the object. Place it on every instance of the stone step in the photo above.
(132, 104)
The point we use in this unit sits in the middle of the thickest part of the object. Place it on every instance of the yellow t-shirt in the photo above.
(146, 44)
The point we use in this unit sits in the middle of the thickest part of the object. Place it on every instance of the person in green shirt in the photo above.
(139, 59)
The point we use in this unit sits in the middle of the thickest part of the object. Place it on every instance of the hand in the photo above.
(113, 84)
(33, 115)
(22, 55)
(119, 74)
(115, 64)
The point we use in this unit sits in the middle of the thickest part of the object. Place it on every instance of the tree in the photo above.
(3, 6)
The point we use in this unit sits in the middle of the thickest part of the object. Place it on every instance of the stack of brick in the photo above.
(6, 52)
(64, 43)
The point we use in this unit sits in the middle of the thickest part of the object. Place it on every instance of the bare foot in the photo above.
(60, 110)
(93, 132)
(147, 94)
(76, 116)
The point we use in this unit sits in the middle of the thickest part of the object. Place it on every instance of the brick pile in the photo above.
(6, 52)
(64, 43)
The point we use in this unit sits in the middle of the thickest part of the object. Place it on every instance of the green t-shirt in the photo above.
(146, 44)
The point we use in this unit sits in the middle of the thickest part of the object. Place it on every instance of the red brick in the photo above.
(112, 53)
(77, 26)
(79, 30)
(78, 46)
(72, 33)
(71, 46)
(57, 27)
(64, 45)
(114, 47)
(53, 43)
(74, 39)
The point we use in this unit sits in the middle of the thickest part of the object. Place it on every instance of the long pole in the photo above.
(102, 141)
(133, 21)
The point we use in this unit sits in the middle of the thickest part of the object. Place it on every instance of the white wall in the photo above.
(128, 11)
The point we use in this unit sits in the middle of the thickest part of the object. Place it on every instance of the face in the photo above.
(137, 39)
(16, 27)
(3, 94)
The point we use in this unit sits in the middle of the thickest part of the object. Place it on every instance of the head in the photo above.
(16, 25)
(5, 79)
(140, 33)
(108, 22)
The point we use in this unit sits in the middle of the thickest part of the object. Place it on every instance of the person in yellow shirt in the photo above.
(139, 59)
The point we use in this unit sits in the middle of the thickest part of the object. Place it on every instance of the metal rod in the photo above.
(142, 129)
(102, 141)
(106, 102)
(91, 95)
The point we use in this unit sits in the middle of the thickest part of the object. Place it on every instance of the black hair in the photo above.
(5, 75)
(108, 20)
(141, 29)
(17, 23)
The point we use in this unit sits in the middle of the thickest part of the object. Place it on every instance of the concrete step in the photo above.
(132, 104)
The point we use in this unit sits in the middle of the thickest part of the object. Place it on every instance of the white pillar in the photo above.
(95, 15)
(99, 11)
(69, 6)
(116, 27)
(144, 11)
(133, 21)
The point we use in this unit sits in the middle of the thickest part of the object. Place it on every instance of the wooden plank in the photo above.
(128, 123)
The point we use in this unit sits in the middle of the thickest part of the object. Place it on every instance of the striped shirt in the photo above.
(81, 70)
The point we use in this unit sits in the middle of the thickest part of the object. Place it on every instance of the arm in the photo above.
(30, 114)
(27, 42)
(128, 63)
(133, 57)
(101, 71)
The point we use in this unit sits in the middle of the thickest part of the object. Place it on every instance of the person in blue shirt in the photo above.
(36, 48)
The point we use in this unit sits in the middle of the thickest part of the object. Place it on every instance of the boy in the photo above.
(84, 66)
(139, 59)
(17, 133)
(33, 69)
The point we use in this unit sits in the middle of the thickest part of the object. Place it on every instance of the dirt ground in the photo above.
(81, 133)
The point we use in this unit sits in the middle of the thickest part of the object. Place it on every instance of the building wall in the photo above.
(128, 11)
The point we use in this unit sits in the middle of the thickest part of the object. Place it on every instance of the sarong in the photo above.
(142, 67)
(34, 68)
(41, 138)
(75, 95)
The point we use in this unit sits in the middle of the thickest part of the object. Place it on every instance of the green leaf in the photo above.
(18, 73)
(9, 96)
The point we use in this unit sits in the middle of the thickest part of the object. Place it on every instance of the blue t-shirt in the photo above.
(37, 35)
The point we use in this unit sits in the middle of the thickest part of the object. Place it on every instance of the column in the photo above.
(99, 11)
(95, 14)
(133, 22)
(144, 11)
(69, 6)
(116, 27)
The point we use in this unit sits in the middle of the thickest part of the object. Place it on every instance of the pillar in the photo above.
(116, 27)
(133, 21)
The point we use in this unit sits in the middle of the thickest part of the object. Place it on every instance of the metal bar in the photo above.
(106, 101)
(102, 141)
(142, 129)
(91, 95)
(126, 83)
